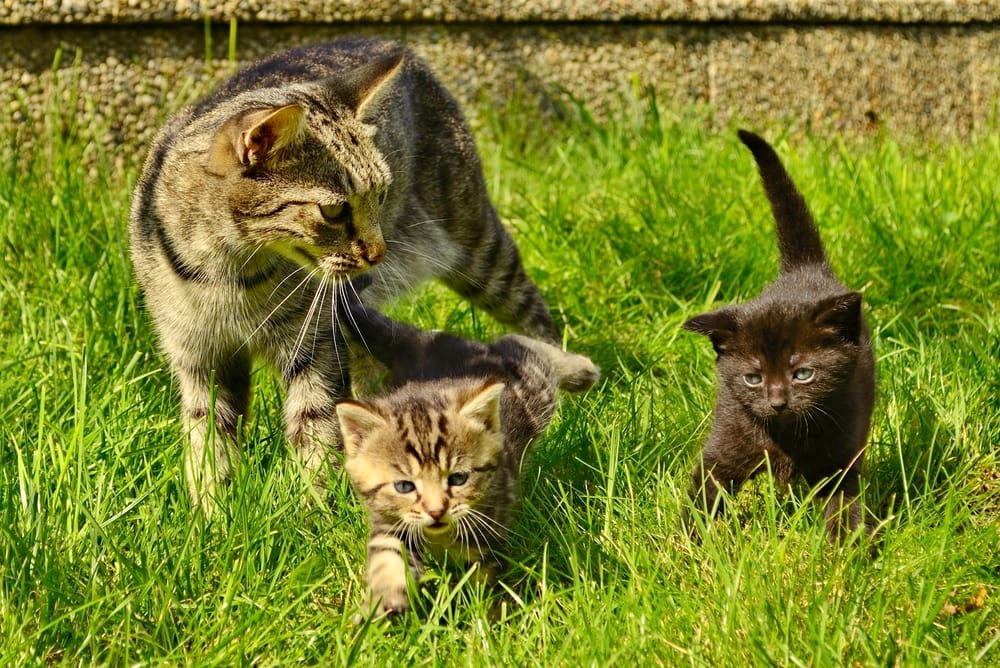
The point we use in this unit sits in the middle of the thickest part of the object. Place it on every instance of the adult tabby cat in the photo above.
(795, 368)
(436, 460)
(261, 202)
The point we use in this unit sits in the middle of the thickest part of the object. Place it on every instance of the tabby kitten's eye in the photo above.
(333, 212)
(458, 479)
(404, 486)
(753, 379)
(803, 374)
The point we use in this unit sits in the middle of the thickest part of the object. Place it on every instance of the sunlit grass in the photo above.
(630, 226)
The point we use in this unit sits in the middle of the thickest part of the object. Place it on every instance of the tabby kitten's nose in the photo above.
(437, 513)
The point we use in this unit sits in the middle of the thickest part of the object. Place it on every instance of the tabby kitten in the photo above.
(258, 204)
(795, 368)
(436, 460)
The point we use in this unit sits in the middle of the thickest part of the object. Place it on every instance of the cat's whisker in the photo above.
(350, 314)
(304, 329)
(429, 221)
(282, 282)
(257, 247)
(412, 250)
(291, 292)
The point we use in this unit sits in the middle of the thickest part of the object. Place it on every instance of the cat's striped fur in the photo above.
(436, 460)
(258, 205)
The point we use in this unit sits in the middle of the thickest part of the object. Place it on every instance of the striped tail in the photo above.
(798, 238)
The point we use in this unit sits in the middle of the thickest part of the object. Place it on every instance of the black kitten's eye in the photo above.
(803, 374)
(458, 479)
(335, 213)
(404, 486)
(753, 379)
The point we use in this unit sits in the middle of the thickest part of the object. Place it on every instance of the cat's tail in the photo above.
(573, 372)
(798, 238)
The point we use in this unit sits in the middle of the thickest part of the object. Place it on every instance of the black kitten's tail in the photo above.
(798, 238)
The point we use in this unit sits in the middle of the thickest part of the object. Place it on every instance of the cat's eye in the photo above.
(753, 379)
(803, 374)
(404, 486)
(458, 479)
(334, 213)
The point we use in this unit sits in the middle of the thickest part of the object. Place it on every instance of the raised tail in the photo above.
(798, 238)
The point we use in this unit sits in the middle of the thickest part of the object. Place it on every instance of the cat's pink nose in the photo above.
(437, 513)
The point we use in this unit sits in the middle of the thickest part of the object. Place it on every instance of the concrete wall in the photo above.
(926, 66)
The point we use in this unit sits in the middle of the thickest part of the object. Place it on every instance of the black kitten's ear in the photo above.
(719, 326)
(841, 315)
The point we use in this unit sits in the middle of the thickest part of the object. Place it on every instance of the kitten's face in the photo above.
(425, 469)
(782, 362)
(786, 381)
(306, 185)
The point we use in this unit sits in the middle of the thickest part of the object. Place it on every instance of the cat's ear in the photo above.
(484, 406)
(719, 326)
(365, 86)
(253, 138)
(840, 315)
(357, 422)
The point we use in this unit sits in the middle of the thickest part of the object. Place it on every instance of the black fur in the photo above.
(795, 368)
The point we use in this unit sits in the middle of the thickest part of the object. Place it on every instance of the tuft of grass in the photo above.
(630, 226)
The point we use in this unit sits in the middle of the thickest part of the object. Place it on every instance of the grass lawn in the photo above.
(630, 226)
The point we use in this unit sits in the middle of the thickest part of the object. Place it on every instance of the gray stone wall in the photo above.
(922, 67)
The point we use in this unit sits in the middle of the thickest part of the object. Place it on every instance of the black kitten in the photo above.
(796, 372)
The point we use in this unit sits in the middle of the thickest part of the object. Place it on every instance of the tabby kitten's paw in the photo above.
(386, 604)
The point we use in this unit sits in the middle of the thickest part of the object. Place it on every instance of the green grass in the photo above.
(630, 226)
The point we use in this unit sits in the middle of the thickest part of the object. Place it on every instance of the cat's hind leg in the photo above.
(490, 275)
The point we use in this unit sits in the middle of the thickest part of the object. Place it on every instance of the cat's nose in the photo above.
(437, 513)
(777, 398)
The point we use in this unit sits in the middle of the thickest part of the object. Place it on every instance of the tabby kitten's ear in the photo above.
(255, 137)
(719, 326)
(357, 422)
(840, 315)
(484, 407)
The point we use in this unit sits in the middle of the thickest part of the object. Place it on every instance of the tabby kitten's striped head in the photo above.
(298, 170)
(425, 463)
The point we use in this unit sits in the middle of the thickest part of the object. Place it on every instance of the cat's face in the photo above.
(781, 364)
(306, 179)
(305, 187)
(423, 468)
